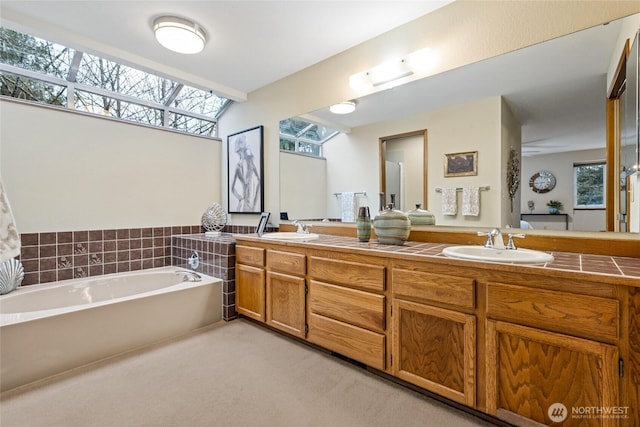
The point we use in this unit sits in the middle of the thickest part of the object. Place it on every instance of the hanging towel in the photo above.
(470, 200)
(348, 206)
(449, 201)
(9, 237)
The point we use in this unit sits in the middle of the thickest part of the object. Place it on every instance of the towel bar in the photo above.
(364, 193)
(485, 188)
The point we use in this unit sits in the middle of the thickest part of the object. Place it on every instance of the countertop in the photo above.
(566, 264)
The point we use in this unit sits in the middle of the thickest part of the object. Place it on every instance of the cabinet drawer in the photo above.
(582, 315)
(366, 276)
(287, 262)
(356, 343)
(421, 286)
(250, 256)
(359, 308)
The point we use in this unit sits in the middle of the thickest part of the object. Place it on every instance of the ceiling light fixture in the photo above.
(179, 35)
(345, 107)
(417, 62)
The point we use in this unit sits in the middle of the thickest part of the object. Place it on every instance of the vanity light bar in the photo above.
(416, 62)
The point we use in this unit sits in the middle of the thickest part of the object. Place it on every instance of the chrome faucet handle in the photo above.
(302, 228)
(489, 242)
(510, 244)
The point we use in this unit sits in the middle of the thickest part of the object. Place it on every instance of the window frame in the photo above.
(72, 87)
(600, 206)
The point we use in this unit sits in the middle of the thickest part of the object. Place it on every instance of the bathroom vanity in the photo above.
(507, 340)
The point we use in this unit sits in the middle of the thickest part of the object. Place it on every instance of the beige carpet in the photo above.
(232, 374)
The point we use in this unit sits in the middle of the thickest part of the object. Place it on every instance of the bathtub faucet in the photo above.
(190, 276)
(194, 260)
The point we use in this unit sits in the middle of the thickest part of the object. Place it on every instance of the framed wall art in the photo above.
(461, 164)
(245, 171)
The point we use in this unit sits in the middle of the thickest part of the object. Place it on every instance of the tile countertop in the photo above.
(626, 269)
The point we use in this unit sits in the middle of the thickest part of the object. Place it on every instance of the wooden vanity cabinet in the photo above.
(505, 341)
(250, 282)
(434, 332)
(286, 291)
(551, 346)
(529, 370)
(346, 311)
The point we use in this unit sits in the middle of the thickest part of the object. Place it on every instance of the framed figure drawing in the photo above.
(245, 171)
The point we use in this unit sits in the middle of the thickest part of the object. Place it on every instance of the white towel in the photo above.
(470, 200)
(449, 201)
(348, 206)
(9, 237)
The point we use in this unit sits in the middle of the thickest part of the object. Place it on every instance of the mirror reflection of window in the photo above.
(589, 185)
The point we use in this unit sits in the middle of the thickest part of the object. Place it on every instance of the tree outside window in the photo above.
(589, 185)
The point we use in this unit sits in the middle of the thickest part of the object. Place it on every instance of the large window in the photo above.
(40, 71)
(589, 185)
(301, 136)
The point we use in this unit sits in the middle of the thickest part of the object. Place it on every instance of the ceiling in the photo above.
(556, 88)
(250, 43)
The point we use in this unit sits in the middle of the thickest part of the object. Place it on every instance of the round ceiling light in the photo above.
(179, 35)
(345, 107)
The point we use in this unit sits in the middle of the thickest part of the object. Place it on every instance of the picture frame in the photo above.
(262, 224)
(245, 171)
(461, 164)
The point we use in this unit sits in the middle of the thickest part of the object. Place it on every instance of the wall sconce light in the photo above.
(417, 62)
(179, 35)
(345, 107)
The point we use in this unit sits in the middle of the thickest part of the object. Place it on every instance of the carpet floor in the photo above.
(231, 374)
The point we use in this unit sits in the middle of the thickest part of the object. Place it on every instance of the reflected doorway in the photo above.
(403, 169)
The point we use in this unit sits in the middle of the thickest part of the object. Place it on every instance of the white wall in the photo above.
(302, 179)
(561, 165)
(462, 32)
(69, 171)
(634, 203)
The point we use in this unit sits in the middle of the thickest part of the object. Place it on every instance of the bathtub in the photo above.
(50, 328)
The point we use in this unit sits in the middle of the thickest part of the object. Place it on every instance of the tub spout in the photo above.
(190, 276)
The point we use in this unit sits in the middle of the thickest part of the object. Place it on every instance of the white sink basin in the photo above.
(480, 253)
(290, 236)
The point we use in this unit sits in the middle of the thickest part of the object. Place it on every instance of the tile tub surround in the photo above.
(217, 258)
(54, 256)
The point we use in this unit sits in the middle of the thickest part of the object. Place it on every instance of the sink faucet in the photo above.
(494, 239)
(302, 228)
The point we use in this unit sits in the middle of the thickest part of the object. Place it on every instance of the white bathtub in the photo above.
(50, 328)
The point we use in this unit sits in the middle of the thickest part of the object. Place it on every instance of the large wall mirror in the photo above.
(556, 90)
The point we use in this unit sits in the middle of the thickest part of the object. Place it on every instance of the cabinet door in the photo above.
(534, 375)
(286, 303)
(250, 291)
(434, 348)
